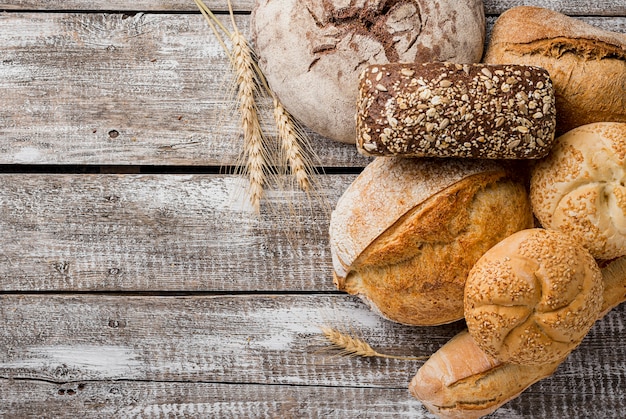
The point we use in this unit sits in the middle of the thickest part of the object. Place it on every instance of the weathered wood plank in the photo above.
(28, 399)
(161, 233)
(147, 89)
(109, 89)
(255, 339)
(143, 352)
(573, 7)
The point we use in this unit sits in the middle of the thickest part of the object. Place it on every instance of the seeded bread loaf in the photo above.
(533, 297)
(453, 110)
(586, 64)
(462, 381)
(405, 234)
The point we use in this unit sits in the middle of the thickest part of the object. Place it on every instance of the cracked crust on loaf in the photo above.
(587, 64)
(405, 234)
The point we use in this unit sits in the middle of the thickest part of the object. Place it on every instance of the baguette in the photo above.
(461, 381)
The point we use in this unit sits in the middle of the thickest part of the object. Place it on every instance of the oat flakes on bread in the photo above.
(587, 64)
(406, 233)
(580, 188)
(442, 109)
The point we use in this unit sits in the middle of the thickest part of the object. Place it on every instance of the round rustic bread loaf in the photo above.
(533, 297)
(406, 233)
(580, 188)
(586, 64)
(313, 51)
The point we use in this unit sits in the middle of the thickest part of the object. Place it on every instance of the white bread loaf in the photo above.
(312, 51)
(407, 231)
(580, 188)
(461, 381)
(533, 297)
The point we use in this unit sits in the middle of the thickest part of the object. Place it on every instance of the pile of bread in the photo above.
(497, 189)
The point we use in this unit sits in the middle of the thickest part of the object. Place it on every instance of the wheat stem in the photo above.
(211, 17)
(352, 346)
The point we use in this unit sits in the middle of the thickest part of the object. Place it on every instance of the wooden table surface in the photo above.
(132, 280)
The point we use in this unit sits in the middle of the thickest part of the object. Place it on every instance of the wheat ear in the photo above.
(296, 152)
(254, 149)
(351, 346)
(290, 139)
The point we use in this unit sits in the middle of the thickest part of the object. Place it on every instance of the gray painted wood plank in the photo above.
(142, 352)
(244, 339)
(572, 7)
(162, 233)
(108, 89)
(28, 399)
(149, 89)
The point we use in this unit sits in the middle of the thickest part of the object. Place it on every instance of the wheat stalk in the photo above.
(295, 153)
(348, 345)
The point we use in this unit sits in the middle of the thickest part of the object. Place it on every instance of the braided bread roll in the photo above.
(533, 297)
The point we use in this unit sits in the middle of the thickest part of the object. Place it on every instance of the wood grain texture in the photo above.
(107, 89)
(161, 233)
(141, 354)
(244, 339)
(162, 295)
(123, 399)
(112, 89)
(574, 7)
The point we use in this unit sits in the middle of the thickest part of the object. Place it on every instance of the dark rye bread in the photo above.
(454, 110)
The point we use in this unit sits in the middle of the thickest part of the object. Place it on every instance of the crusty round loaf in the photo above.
(313, 51)
(580, 188)
(454, 110)
(587, 64)
(407, 231)
(533, 297)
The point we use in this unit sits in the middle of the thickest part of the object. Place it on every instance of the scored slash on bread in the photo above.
(313, 51)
